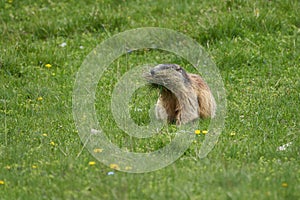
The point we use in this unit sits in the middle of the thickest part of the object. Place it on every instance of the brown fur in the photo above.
(184, 97)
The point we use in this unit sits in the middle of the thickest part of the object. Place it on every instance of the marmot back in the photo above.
(184, 97)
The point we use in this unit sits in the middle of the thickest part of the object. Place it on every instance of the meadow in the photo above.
(254, 43)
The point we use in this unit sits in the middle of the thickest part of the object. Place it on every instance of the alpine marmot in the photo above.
(183, 98)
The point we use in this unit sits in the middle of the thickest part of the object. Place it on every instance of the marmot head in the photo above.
(171, 76)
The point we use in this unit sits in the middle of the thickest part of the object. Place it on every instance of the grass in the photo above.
(255, 45)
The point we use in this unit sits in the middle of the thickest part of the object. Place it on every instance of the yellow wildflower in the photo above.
(33, 166)
(2, 182)
(52, 143)
(284, 184)
(8, 167)
(197, 132)
(48, 65)
(92, 163)
(40, 98)
(44, 134)
(232, 133)
(114, 166)
(98, 150)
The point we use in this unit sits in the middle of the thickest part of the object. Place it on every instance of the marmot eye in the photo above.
(178, 69)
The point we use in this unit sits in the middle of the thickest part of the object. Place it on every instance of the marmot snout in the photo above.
(184, 97)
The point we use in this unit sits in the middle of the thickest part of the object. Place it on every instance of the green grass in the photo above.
(256, 46)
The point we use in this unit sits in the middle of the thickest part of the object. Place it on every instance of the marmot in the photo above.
(183, 98)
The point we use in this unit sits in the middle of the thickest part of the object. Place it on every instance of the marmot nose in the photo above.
(152, 72)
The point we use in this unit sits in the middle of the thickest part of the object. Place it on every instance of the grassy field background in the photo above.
(255, 45)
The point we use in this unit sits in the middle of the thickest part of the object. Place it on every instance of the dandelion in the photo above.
(232, 133)
(44, 134)
(40, 98)
(98, 150)
(33, 166)
(114, 166)
(284, 184)
(92, 163)
(2, 182)
(197, 132)
(52, 143)
(48, 65)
